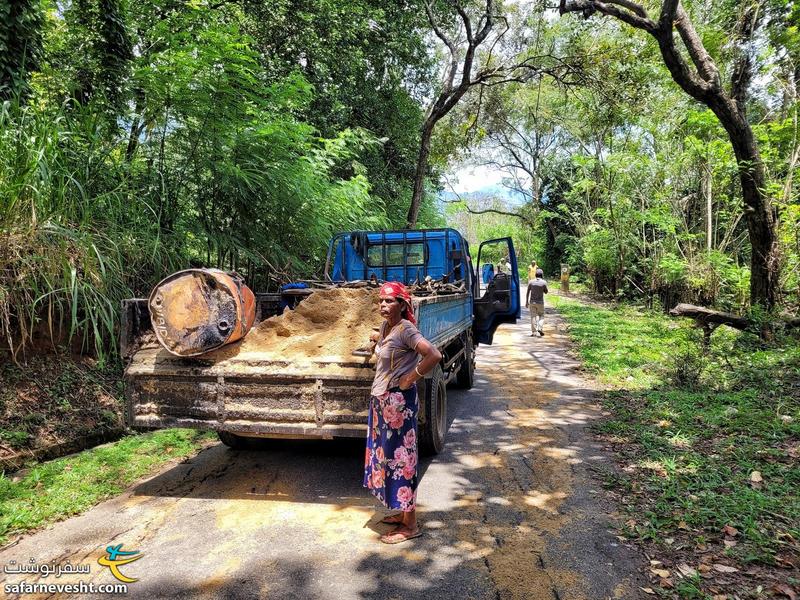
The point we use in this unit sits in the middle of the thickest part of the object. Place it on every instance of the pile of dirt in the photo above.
(328, 325)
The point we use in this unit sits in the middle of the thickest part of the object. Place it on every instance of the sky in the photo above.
(475, 179)
(478, 180)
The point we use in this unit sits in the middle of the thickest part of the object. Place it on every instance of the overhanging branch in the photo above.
(496, 211)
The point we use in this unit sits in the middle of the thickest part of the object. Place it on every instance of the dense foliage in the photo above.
(632, 182)
(140, 138)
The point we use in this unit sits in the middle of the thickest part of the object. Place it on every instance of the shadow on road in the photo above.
(508, 509)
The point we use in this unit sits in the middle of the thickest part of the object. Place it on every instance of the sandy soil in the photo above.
(329, 322)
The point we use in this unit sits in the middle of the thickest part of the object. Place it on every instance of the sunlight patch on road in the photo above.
(333, 523)
(545, 501)
(480, 460)
(530, 464)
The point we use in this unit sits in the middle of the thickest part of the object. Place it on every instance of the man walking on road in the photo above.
(534, 300)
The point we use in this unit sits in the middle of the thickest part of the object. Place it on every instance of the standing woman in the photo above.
(390, 466)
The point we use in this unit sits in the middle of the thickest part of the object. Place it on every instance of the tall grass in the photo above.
(84, 224)
(73, 240)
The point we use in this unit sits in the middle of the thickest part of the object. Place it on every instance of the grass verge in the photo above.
(53, 490)
(708, 447)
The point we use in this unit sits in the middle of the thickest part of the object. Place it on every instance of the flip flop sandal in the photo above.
(386, 539)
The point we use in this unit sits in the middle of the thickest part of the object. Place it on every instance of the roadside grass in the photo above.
(709, 445)
(57, 489)
(621, 346)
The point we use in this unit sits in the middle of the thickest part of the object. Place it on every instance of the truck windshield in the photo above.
(415, 255)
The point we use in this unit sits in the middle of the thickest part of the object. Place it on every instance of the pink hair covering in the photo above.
(399, 291)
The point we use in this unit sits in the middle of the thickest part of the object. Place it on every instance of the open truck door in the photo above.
(497, 300)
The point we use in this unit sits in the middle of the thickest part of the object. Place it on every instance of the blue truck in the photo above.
(245, 396)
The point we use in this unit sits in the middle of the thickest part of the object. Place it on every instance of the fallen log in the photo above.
(709, 320)
(706, 316)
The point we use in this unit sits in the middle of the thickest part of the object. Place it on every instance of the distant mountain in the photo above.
(491, 191)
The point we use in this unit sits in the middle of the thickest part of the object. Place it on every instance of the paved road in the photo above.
(510, 509)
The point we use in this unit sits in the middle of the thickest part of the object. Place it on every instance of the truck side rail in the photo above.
(443, 318)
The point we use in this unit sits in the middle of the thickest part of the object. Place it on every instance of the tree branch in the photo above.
(637, 9)
(626, 14)
(701, 59)
(476, 41)
(669, 11)
(450, 73)
(472, 211)
(742, 73)
(690, 82)
(465, 19)
(523, 218)
(439, 33)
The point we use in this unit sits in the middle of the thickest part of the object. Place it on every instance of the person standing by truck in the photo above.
(534, 300)
(390, 464)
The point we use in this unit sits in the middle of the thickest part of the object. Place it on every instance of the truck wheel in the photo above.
(434, 410)
(233, 441)
(465, 378)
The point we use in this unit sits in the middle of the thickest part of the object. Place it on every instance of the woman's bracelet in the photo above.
(416, 370)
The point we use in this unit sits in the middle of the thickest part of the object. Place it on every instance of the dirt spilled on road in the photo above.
(532, 471)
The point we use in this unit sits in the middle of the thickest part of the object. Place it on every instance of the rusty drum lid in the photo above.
(194, 311)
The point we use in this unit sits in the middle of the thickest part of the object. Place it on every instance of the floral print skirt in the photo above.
(390, 465)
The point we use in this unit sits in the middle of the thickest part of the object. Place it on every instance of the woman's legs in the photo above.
(410, 520)
(406, 519)
(401, 462)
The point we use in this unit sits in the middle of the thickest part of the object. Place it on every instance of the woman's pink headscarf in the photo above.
(399, 291)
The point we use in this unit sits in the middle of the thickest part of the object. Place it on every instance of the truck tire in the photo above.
(233, 441)
(465, 378)
(433, 413)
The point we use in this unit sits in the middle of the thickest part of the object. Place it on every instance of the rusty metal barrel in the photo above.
(199, 310)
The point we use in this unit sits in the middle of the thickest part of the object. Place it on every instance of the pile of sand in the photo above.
(328, 325)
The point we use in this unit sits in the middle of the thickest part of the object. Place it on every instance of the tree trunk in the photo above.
(136, 126)
(419, 175)
(702, 82)
(760, 214)
(709, 197)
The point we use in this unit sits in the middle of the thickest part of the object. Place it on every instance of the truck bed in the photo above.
(246, 394)
(239, 391)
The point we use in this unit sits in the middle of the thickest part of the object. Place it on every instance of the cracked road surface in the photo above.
(511, 509)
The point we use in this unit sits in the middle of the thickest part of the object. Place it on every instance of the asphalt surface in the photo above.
(512, 508)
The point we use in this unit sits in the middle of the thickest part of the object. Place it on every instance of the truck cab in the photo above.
(410, 256)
